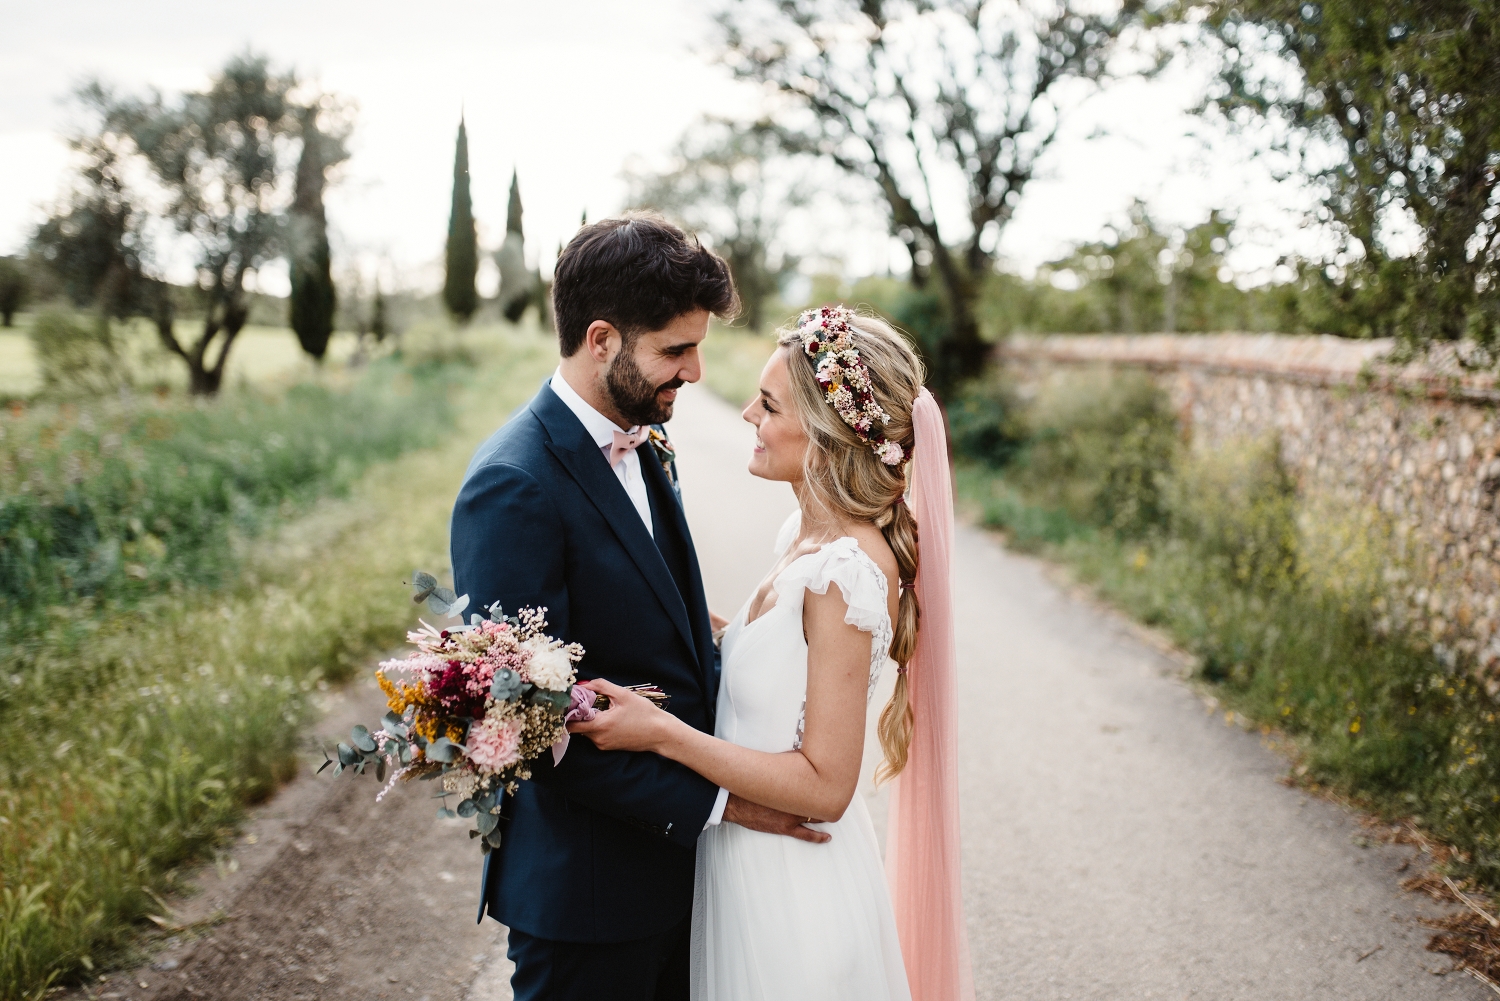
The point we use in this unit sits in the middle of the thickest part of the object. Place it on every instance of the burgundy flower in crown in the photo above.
(828, 339)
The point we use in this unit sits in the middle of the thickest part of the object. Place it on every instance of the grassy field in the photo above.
(261, 356)
(138, 743)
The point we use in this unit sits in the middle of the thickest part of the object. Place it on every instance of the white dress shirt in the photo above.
(628, 470)
(602, 430)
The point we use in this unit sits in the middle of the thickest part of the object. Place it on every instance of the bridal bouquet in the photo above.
(472, 707)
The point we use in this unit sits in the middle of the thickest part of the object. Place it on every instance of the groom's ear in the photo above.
(602, 340)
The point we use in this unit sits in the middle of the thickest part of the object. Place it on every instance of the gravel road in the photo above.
(1121, 839)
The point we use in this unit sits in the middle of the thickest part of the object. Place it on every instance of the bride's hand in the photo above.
(631, 723)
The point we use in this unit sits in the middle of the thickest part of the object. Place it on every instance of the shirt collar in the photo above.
(599, 427)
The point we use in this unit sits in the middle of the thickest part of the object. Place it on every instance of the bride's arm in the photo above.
(817, 781)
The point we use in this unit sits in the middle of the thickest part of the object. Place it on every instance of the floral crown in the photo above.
(828, 338)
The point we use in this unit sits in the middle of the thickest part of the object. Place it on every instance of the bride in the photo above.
(842, 417)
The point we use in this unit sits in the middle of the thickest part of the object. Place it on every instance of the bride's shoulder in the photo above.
(872, 541)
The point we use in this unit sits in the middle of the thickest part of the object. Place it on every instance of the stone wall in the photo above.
(1419, 442)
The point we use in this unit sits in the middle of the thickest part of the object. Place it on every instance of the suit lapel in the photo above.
(572, 446)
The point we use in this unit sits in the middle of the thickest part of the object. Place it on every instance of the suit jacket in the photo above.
(599, 848)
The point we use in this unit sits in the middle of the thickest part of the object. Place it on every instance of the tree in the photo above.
(720, 186)
(15, 288)
(95, 244)
(314, 299)
(1392, 110)
(220, 155)
(907, 94)
(518, 286)
(462, 258)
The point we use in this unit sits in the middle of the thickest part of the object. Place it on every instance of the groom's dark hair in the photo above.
(639, 273)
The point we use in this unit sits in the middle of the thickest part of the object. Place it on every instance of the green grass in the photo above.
(115, 499)
(132, 744)
(1285, 601)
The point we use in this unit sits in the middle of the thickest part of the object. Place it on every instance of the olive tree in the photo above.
(913, 95)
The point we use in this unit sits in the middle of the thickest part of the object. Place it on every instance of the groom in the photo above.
(573, 506)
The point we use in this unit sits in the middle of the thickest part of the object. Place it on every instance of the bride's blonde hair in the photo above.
(844, 475)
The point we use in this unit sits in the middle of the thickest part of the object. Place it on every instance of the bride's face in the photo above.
(780, 444)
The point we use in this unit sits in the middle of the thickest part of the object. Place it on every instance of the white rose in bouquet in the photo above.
(550, 667)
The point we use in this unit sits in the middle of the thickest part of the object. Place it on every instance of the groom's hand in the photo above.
(763, 818)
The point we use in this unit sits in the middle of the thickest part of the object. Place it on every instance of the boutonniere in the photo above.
(665, 453)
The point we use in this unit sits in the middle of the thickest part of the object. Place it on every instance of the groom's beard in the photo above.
(633, 395)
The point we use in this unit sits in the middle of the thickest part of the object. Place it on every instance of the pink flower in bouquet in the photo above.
(495, 744)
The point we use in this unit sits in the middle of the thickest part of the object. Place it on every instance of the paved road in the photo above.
(1120, 841)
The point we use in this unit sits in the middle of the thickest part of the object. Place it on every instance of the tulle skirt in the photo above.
(777, 919)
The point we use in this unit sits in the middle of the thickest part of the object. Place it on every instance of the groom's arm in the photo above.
(507, 545)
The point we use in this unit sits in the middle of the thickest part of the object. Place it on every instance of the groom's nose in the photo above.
(690, 368)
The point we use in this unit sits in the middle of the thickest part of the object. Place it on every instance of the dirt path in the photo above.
(1120, 840)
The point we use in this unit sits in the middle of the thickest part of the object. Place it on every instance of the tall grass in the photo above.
(107, 502)
(132, 743)
(1287, 601)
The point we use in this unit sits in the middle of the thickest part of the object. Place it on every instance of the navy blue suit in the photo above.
(599, 849)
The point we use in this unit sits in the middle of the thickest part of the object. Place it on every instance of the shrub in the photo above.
(76, 356)
(985, 423)
(1237, 507)
(1101, 447)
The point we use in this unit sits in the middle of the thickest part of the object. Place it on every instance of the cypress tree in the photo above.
(517, 285)
(462, 259)
(313, 296)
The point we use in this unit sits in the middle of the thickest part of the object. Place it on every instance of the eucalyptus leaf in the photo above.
(442, 749)
(380, 770)
(360, 738)
(346, 754)
(506, 685)
(467, 808)
(486, 822)
(423, 584)
(493, 838)
(445, 814)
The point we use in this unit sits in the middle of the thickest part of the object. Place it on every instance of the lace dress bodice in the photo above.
(763, 691)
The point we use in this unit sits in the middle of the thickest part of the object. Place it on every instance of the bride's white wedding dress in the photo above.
(774, 918)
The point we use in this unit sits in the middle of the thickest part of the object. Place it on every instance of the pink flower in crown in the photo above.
(890, 453)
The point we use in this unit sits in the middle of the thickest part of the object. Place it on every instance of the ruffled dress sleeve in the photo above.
(860, 581)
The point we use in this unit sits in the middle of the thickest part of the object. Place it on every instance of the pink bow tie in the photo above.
(625, 443)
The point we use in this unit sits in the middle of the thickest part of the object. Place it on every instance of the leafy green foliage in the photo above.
(76, 355)
(1286, 606)
(1143, 277)
(1405, 96)
(1100, 449)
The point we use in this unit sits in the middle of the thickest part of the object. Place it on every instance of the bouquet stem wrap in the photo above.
(922, 854)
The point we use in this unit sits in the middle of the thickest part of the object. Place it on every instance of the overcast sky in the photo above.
(566, 93)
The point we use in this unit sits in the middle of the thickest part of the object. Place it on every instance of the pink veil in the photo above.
(922, 843)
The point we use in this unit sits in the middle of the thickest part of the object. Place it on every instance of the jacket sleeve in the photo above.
(508, 545)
